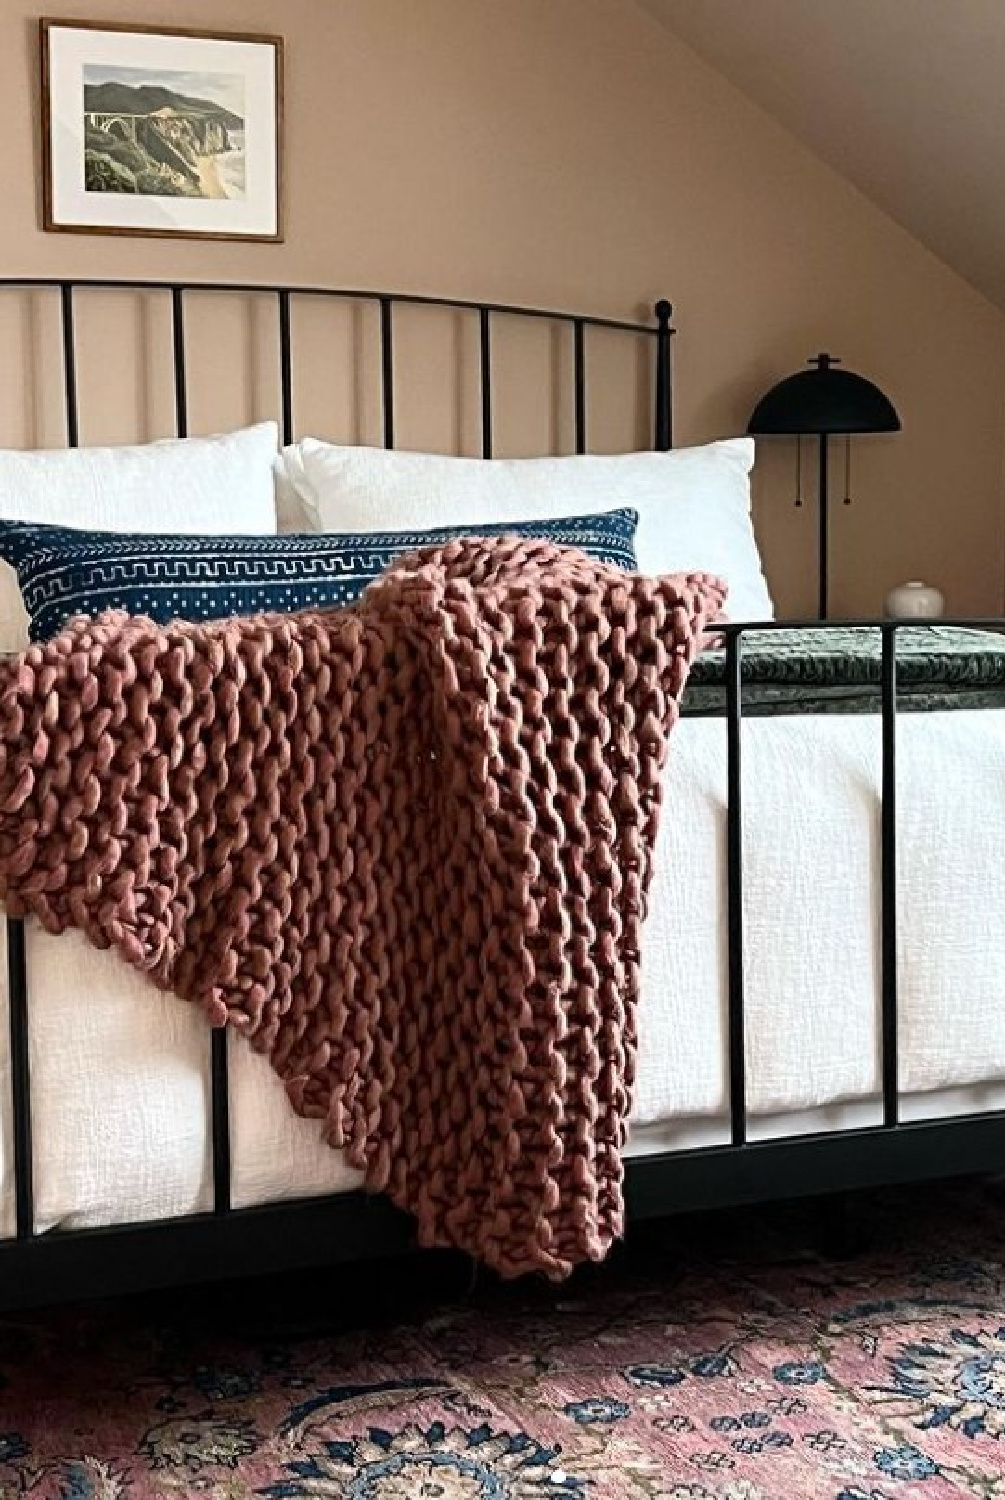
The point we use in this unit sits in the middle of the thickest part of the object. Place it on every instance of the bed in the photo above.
(822, 982)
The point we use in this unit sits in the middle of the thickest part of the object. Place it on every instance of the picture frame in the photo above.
(161, 130)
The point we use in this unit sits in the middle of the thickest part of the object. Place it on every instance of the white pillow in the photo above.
(693, 503)
(199, 485)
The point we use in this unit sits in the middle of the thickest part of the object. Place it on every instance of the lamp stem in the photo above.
(824, 527)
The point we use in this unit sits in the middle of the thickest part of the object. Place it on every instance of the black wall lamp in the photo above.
(823, 402)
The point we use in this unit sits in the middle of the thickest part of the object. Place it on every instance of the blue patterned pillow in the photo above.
(64, 572)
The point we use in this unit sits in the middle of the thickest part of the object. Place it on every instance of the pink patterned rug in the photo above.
(759, 1372)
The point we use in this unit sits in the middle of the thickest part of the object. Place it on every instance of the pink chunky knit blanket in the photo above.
(403, 848)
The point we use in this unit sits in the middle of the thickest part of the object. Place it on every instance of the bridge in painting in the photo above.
(105, 120)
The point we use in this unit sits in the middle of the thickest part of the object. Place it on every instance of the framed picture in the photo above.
(153, 130)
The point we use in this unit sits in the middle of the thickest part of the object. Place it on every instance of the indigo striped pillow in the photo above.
(64, 572)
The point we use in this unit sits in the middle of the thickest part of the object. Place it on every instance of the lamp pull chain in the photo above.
(847, 470)
(799, 471)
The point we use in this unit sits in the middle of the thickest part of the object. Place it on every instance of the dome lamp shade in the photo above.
(823, 399)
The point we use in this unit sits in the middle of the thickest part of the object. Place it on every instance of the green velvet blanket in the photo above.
(837, 670)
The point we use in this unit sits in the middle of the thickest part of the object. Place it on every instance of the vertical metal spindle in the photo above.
(387, 370)
(221, 1121)
(485, 349)
(734, 888)
(20, 1069)
(579, 378)
(888, 840)
(286, 365)
(69, 364)
(178, 356)
(663, 427)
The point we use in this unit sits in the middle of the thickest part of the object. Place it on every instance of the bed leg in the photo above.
(843, 1227)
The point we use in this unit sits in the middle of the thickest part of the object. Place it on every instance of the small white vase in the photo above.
(914, 601)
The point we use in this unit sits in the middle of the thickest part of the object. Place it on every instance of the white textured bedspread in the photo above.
(120, 1073)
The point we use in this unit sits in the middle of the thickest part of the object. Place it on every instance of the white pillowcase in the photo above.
(693, 503)
(199, 485)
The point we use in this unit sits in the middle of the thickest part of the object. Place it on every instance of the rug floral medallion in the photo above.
(769, 1374)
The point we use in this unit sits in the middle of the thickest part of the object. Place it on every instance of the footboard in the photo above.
(892, 1151)
(227, 1242)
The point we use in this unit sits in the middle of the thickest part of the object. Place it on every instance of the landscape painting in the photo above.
(169, 134)
(152, 131)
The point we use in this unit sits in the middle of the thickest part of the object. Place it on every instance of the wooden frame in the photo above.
(64, 186)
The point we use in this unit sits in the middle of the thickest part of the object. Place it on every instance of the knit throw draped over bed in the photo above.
(404, 848)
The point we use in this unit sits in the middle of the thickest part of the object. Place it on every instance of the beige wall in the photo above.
(917, 127)
(569, 153)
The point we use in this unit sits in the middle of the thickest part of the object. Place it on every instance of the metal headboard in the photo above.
(660, 331)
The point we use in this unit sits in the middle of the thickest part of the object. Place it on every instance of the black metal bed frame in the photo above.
(226, 1242)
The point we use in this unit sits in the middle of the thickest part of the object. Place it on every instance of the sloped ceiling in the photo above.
(906, 98)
